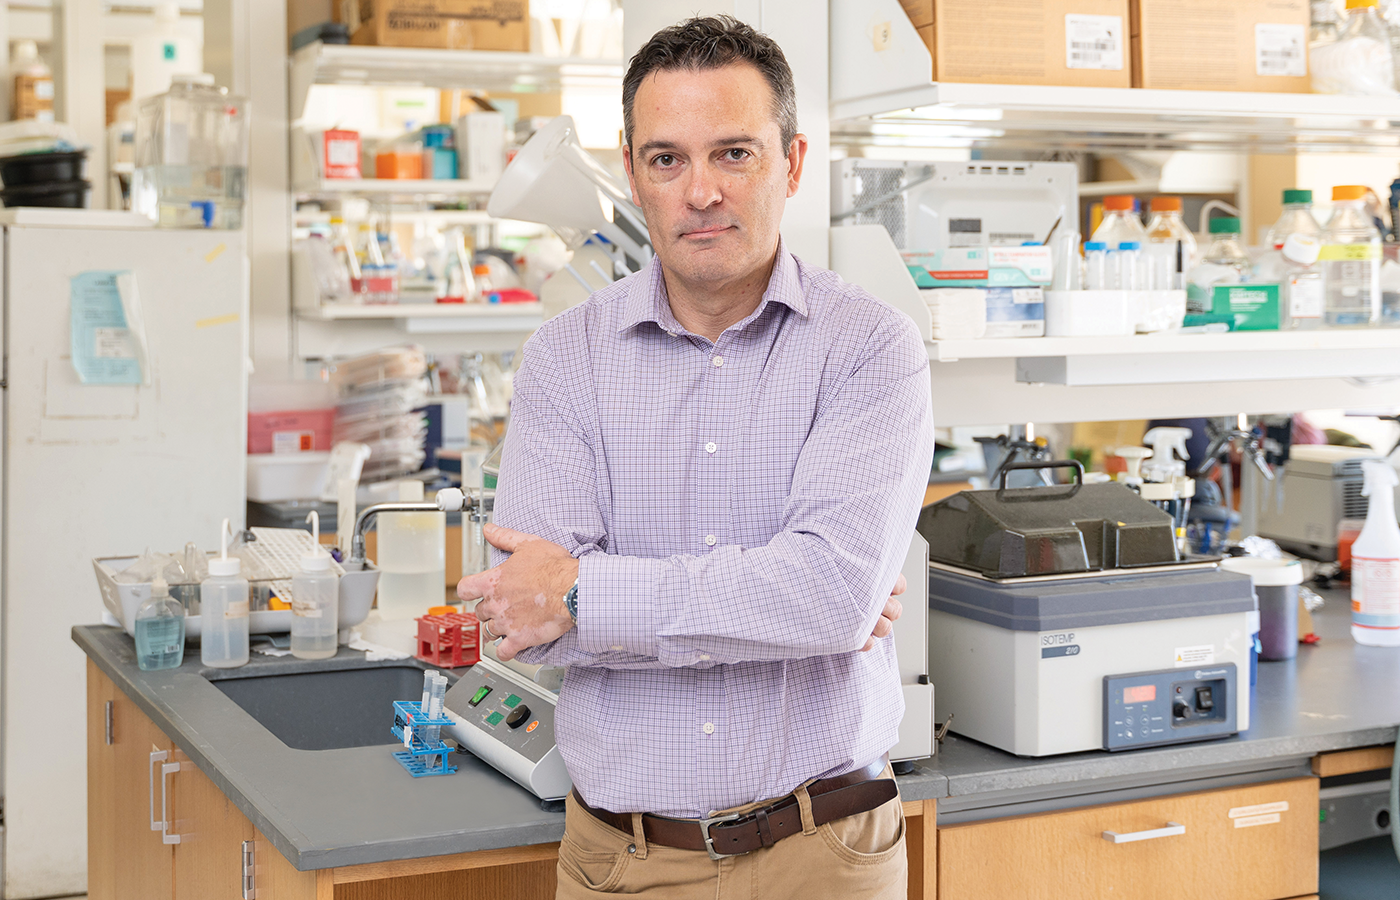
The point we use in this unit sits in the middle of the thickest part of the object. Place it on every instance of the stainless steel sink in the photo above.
(328, 709)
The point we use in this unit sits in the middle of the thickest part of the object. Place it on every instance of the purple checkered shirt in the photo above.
(740, 511)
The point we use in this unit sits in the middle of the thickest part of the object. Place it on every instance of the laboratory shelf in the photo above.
(480, 70)
(882, 93)
(395, 187)
(1168, 343)
(423, 318)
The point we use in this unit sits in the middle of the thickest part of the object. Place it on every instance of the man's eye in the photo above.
(736, 154)
(664, 160)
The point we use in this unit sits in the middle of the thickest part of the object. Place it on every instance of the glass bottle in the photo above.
(1120, 223)
(1225, 262)
(1297, 218)
(1172, 246)
(160, 630)
(1351, 261)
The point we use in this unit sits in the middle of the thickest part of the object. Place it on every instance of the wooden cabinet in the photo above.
(1249, 843)
(125, 857)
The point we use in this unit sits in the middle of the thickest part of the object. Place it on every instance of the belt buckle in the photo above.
(709, 841)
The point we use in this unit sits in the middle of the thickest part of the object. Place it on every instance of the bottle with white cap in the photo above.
(315, 601)
(223, 610)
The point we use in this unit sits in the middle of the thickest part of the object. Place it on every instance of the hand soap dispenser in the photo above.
(160, 630)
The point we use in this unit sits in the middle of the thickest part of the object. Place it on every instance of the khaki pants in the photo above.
(861, 856)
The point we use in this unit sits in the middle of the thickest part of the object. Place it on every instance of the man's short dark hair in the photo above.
(711, 42)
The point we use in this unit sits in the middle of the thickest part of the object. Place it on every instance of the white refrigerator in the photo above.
(100, 469)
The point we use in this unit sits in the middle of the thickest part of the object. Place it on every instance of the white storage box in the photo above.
(287, 476)
(1089, 313)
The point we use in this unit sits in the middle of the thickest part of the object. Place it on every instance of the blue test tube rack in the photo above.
(417, 755)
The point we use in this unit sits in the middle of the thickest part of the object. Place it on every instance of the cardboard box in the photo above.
(441, 24)
(1079, 43)
(1206, 45)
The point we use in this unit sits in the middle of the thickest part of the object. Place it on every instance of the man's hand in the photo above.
(892, 610)
(522, 599)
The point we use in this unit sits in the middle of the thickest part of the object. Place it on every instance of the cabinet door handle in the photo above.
(1172, 829)
(156, 756)
(165, 835)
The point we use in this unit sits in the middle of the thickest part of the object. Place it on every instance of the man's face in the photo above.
(708, 167)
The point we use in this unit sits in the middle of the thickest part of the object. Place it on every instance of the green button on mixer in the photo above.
(511, 702)
(495, 718)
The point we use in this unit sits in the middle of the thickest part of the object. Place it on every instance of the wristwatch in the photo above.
(571, 602)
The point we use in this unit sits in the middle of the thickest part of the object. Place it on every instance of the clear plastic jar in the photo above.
(1096, 277)
(1171, 247)
(1297, 218)
(191, 156)
(1351, 262)
(1120, 222)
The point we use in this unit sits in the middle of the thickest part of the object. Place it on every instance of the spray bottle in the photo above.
(1375, 563)
(223, 606)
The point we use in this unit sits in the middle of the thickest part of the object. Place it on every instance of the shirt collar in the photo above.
(647, 301)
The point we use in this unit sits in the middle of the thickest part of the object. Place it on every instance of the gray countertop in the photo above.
(330, 808)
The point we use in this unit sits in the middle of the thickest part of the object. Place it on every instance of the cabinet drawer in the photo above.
(1248, 843)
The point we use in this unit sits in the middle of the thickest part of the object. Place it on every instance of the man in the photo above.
(711, 477)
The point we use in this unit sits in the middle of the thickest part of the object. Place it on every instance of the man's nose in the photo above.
(703, 191)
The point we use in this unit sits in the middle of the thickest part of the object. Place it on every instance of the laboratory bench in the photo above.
(191, 784)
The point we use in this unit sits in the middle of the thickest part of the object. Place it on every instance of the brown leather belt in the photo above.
(736, 834)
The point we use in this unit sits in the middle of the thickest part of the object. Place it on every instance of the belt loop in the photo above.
(804, 804)
(639, 835)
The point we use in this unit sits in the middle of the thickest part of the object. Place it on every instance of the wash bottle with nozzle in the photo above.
(223, 609)
(315, 601)
(1375, 562)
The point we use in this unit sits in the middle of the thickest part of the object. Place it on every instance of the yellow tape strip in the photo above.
(215, 253)
(216, 320)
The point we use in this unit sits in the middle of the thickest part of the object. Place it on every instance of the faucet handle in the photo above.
(454, 500)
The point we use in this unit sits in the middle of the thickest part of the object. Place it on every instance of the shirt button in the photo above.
(704, 657)
(708, 728)
(711, 447)
(717, 361)
(709, 540)
(614, 646)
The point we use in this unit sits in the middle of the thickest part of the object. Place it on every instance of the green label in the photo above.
(168, 51)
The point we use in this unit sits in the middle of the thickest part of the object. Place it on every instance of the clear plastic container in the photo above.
(1096, 277)
(160, 630)
(1375, 563)
(1120, 223)
(412, 557)
(1297, 218)
(1225, 262)
(1351, 262)
(315, 603)
(191, 156)
(1171, 247)
(223, 611)
(1124, 265)
(1295, 269)
(1359, 62)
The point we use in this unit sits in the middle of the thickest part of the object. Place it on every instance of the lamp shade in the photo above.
(555, 182)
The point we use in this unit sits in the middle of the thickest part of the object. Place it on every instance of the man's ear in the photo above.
(631, 182)
(796, 155)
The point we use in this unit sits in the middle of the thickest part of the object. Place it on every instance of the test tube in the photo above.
(1068, 266)
(435, 712)
(1096, 266)
(1127, 259)
(429, 677)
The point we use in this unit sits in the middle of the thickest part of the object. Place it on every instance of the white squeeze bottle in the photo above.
(315, 601)
(223, 610)
(1375, 563)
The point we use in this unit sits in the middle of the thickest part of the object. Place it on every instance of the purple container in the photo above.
(1276, 588)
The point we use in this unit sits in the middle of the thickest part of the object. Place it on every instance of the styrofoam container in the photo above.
(1089, 313)
(287, 476)
(123, 600)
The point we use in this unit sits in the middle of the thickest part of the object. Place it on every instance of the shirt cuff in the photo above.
(617, 603)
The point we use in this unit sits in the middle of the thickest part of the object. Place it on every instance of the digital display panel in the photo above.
(1141, 693)
(479, 696)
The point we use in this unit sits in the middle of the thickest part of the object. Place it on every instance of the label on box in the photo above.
(954, 267)
(238, 609)
(293, 441)
(1015, 312)
(1197, 655)
(1254, 307)
(1093, 42)
(1280, 50)
(1014, 266)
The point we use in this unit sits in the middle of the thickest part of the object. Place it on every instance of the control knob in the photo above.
(518, 716)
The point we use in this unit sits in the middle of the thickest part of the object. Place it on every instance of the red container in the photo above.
(290, 431)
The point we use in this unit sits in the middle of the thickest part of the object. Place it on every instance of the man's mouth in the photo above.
(701, 234)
